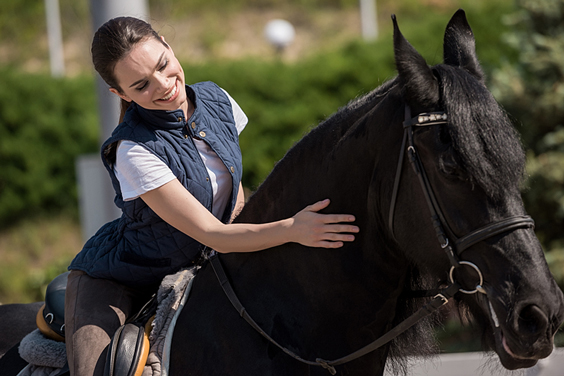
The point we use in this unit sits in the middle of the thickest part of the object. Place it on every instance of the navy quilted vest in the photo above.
(139, 249)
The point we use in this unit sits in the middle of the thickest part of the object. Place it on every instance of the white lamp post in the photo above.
(368, 19)
(280, 33)
(55, 38)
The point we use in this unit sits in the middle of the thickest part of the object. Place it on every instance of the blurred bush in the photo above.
(44, 124)
(532, 90)
(283, 101)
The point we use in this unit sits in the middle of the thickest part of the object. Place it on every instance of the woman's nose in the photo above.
(163, 81)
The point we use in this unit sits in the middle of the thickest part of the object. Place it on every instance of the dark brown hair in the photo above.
(112, 42)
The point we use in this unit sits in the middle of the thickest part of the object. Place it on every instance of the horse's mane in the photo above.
(351, 110)
(485, 142)
(322, 138)
(419, 340)
(332, 129)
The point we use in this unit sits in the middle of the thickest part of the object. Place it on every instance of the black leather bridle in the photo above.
(440, 224)
(453, 251)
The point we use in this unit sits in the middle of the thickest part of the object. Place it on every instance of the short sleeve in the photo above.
(139, 171)
(241, 119)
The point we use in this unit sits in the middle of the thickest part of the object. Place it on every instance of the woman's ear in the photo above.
(122, 96)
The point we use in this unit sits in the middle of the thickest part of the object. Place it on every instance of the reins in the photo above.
(453, 251)
(438, 301)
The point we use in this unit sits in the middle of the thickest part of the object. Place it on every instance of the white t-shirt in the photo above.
(140, 171)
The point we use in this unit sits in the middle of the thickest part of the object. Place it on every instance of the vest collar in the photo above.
(163, 119)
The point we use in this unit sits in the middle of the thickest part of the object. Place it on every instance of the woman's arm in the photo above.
(175, 205)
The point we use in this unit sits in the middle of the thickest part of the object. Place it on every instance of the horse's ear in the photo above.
(421, 86)
(459, 47)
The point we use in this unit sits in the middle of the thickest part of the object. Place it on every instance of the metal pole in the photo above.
(368, 19)
(102, 11)
(95, 188)
(55, 38)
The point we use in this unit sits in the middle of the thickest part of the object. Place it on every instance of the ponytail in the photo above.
(124, 105)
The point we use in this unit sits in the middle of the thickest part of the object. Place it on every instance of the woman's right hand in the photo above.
(313, 229)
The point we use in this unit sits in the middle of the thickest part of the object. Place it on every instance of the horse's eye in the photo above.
(444, 136)
(449, 167)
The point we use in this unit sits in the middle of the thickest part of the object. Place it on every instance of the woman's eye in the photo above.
(164, 66)
(139, 88)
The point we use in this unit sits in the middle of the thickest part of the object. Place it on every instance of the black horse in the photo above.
(319, 303)
(461, 196)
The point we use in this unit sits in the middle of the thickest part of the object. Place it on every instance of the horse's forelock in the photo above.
(482, 136)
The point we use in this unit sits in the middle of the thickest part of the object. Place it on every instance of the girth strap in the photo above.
(438, 301)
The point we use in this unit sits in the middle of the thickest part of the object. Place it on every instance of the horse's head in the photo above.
(470, 165)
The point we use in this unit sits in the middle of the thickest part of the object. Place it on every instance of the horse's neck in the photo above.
(350, 290)
(352, 162)
(348, 162)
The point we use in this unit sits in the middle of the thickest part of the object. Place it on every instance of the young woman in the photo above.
(175, 164)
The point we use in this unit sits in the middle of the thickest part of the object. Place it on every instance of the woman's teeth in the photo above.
(167, 97)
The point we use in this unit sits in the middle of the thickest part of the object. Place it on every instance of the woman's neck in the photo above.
(188, 108)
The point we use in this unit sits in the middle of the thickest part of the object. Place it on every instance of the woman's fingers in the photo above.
(328, 244)
(329, 218)
(319, 205)
(334, 236)
(345, 228)
(330, 235)
(323, 230)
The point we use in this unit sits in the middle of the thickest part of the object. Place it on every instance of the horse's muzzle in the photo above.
(528, 333)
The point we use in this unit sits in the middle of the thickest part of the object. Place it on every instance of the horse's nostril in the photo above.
(532, 320)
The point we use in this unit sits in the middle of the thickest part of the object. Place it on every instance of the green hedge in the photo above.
(44, 124)
(533, 91)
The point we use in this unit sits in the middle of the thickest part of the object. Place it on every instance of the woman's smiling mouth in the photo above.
(171, 94)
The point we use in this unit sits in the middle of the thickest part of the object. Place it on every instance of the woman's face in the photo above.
(151, 76)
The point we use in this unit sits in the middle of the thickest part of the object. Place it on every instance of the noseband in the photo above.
(453, 251)
(438, 219)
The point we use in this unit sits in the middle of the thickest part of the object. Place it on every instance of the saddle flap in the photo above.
(128, 351)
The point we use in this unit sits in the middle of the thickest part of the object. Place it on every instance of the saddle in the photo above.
(129, 347)
(130, 353)
(50, 318)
